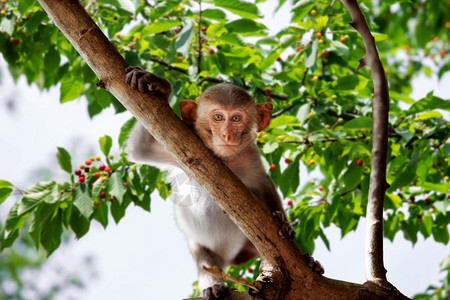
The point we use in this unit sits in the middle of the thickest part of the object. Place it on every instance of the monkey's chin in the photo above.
(227, 151)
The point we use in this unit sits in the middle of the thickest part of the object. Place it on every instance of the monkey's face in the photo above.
(226, 131)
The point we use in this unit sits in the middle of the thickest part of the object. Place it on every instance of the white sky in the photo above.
(146, 257)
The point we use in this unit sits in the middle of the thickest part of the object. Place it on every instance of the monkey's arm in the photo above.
(143, 148)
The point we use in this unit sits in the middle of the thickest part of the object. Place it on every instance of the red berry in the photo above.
(268, 99)
(97, 203)
(211, 51)
(318, 35)
(250, 270)
(278, 58)
(287, 160)
(321, 188)
(125, 184)
(102, 167)
(92, 185)
(81, 178)
(88, 162)
(268, 92)
(86, 170)
(102, 195)
(448, 196)
(412, 199)
(428, 200)
(16, 42)
(290, 202)
(441, 53)
(204, 29)
(359, 162)
(78, 172)
(273, 167)
(107, 169)
(299, 49)
(97, 175)
(343, 39)
(419, 217)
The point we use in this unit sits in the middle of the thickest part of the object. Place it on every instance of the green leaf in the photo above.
(105, 144)
(311, 56)
(441, 235)
(340, 48)
(352, 177)
(379, 36)
(215, 14)
(34, 196)
(64, 160)
(4, 183)
(123, 5)
(117, 211)
(184, 39)
(428, 103)
(359, 123)
(101, 214)
(45, 212)
(4, 194)
(125, 131)
(291, 178)
(269, 60)
(51, 234)
(160, 26)
(116, 187)
(441, 205)
(7, 24)
(349, 82)
(284, 120)
(270, 147)
(79, 224)
(239, 7)
(429, 115)
(426, 226)
(301, 8)
(303, 112)
(70, 89)
(438, 187)
(245, 26)
(83, 201)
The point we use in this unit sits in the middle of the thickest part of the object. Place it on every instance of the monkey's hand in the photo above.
(146, 82)
(313, 264)
(286, 231)
(216, 292)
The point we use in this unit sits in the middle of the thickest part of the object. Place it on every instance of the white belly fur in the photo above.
(202, 220)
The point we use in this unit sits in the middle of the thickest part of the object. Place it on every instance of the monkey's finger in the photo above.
(135, 79)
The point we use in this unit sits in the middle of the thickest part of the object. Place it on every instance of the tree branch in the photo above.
(284, 266)
(375, 270)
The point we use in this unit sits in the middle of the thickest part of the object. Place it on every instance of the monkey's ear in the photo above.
(188, 110)
(264, 114)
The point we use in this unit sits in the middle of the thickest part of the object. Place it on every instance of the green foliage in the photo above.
(323, 116)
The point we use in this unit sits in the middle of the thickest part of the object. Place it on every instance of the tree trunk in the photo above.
(283, 263)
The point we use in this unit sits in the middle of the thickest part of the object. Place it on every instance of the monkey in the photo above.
(226, 118)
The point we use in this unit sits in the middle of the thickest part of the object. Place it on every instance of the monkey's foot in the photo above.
(286, 231)
(216, 292)
(313, 264)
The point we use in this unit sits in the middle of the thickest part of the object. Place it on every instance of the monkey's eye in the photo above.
(218, 117)
(236, 118)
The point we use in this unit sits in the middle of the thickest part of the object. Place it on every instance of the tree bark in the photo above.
(283, 263)
(375, 270)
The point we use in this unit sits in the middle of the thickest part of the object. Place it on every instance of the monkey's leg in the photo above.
(212, 287)
(288, 232)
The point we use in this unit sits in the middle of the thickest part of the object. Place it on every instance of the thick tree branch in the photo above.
(375, 270)
(282, 263)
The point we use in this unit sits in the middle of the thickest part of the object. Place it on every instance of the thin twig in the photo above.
(199, 55)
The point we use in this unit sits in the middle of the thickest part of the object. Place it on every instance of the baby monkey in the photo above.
(227, 119)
